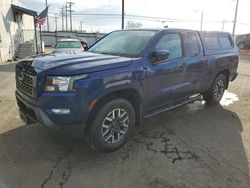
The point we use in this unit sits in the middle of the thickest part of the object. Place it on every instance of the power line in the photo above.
(153, 18)
(147, 18)
(243, 23)
(94, 14)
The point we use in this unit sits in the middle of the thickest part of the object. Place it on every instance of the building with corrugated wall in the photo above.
(15, 28)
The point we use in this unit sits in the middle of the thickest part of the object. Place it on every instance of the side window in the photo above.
(225, 42)
(172, 43)
(191, 45)
(211, 42)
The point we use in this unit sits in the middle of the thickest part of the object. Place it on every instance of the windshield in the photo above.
(68, 44)
(123, 43)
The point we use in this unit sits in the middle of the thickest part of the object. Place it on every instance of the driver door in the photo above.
(166, 78)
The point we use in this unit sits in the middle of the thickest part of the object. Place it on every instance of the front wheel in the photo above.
(112, 125)
(214, 95)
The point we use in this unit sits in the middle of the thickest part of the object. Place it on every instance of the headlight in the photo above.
(61, 83)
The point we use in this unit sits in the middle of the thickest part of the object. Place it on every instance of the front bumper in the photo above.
(39, 110)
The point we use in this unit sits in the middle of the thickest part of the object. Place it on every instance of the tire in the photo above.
(241, 46)
(111, 126)
(214, 95)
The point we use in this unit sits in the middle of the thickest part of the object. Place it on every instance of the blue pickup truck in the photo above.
(102, 93)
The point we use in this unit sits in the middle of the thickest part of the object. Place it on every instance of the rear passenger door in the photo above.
(194, 63)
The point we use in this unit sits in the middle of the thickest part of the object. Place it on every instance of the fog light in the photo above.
(61, 111)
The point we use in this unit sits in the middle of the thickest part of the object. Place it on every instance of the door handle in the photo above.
(184, 65)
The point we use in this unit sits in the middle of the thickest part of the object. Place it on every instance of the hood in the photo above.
(78, 63)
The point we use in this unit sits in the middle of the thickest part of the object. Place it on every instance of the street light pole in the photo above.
(201, 18)
(235, 17)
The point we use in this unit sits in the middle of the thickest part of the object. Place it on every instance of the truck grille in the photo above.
(26, 82)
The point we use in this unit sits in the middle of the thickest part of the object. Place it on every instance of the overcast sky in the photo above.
(180, 12)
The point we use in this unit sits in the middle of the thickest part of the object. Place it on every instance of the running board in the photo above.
(189, 100)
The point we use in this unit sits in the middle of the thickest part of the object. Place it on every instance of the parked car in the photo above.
(243, 41)
(68, 46)
(129, 74)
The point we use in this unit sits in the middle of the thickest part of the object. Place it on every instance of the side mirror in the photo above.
(85, 46)
(159, 55)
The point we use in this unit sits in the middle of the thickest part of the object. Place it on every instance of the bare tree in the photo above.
(133, 25)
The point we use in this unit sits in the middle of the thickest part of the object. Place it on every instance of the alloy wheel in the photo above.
(115, 126)
(219, 89)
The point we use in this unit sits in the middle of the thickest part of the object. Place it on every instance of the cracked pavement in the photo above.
(192, 146)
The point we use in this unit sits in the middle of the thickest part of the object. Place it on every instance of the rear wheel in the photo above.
(214, 95)
(241, 46)
(112, 125)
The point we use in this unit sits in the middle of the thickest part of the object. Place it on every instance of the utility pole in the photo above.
(70, 12)
(123, 14)
(46, 2)
(62, 15)
(81, 22)
(56, 21)
(235, 17)
(66, 11)
(223, 24)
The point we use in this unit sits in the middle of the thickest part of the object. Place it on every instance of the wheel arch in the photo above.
(226, 73)
(129, 94)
